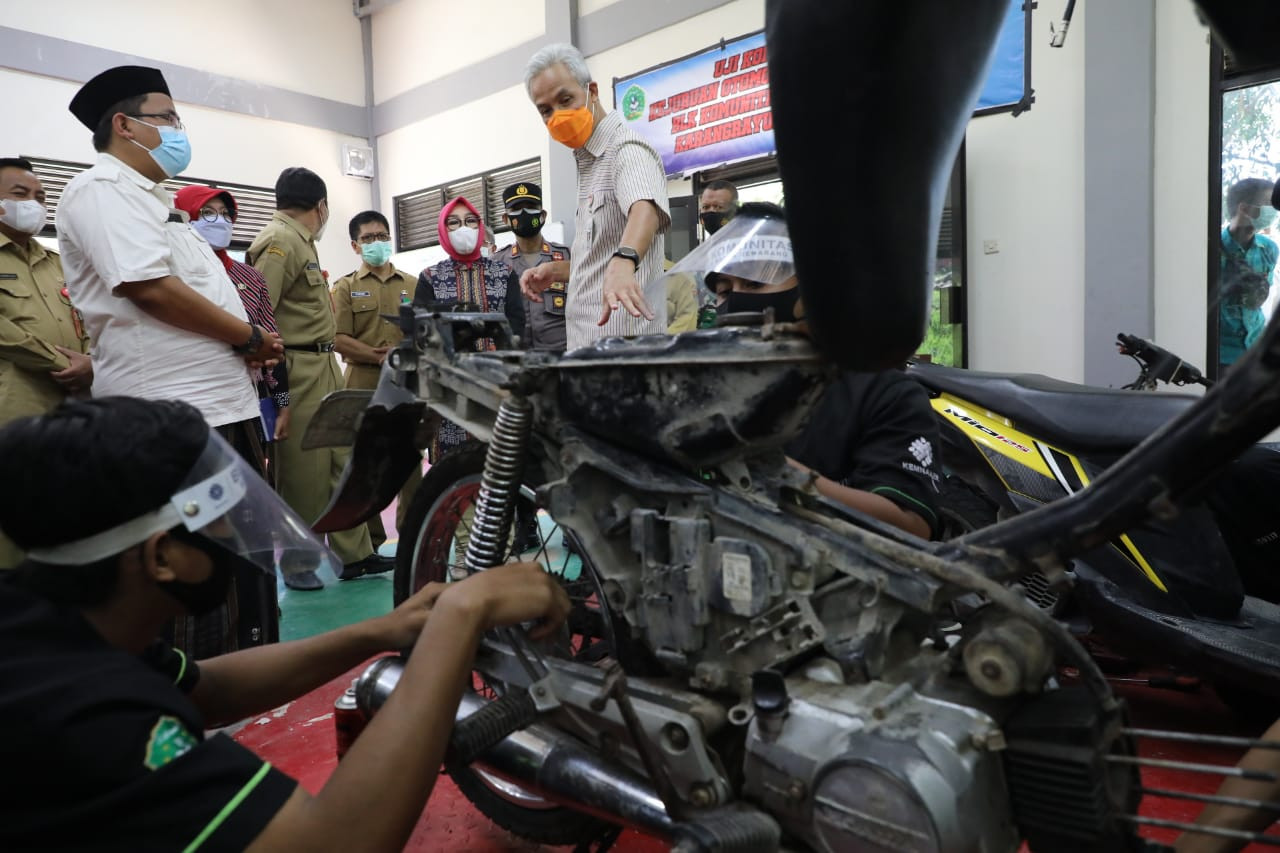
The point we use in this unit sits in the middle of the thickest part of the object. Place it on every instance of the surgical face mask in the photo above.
(464, 239)
(572, 127)
(324, 223)
(377, 253)
(1264, 219)
(526, 223)
(204, 596)
(26, 215)
(783, 303)
(216, 233)
(173, 155)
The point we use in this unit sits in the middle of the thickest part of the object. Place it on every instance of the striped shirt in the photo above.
(252, 288)
(616, 169)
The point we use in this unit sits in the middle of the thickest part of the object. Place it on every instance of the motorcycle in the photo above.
(1167, 592)
(749, 665)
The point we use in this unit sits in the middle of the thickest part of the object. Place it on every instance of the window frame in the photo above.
(491, 183)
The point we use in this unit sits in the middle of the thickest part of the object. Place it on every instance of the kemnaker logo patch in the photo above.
(169, 740)
(922, 450)
(633, 101)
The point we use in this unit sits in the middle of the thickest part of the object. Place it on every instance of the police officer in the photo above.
(43, 345)
(544, 321)
(362, 302)
(285, 254)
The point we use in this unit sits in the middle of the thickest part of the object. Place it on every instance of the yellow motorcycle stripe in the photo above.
(988, 429)
(1133, 553)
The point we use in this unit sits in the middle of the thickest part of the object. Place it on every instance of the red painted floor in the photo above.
(299, 739)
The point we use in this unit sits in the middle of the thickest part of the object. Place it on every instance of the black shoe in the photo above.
(304, 580)
(370, 565)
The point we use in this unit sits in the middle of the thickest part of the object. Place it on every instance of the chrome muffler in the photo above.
(543, 761)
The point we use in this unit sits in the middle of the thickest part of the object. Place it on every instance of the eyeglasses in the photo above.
(170, 118)
(208, 214)
(453, 223)
(382, 237)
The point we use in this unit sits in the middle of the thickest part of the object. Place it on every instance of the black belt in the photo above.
(324, 347)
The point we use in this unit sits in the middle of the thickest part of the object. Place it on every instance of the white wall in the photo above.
(416, 41)
(229, 147)
(310, 46)
(1025, 190)
(1181, 200)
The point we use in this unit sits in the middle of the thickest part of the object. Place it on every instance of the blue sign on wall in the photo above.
(712, 107)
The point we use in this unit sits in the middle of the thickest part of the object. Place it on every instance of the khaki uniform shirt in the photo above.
(360, 299)
(543, 321)
(35, 316)
(682, 303)
(285, 254)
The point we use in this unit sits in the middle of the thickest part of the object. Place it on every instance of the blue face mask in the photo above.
(377, 253)
(173, 155)
(216, 233)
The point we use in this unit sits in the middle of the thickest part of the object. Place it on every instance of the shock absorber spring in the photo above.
(500, 484)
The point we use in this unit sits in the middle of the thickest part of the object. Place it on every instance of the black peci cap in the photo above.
(298, 186)
(111, 87)
(524, 191)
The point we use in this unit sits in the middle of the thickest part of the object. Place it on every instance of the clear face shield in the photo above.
(753, 248)
(225, 501)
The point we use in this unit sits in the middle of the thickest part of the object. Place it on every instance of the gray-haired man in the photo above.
(622, 208)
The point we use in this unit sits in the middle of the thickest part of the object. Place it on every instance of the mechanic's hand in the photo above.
(78, 376)
(400, 628)
(283, 416)
(509, 595)
(534, 280)
(621, 290)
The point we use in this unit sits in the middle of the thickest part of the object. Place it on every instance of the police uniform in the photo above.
(155, 782)
(361, 302)
(543, 321)
(35, 317)
(285, 254)
(876, 432)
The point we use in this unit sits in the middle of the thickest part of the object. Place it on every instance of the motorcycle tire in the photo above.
(439, 503)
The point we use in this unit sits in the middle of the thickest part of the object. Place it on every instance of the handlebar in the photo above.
(1158, 363)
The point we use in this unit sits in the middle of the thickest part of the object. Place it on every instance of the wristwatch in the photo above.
(252, 345)
(628, 253)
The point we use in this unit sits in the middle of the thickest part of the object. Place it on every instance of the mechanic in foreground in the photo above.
(105, 728)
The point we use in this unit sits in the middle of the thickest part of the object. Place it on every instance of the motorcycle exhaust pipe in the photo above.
(543, 761)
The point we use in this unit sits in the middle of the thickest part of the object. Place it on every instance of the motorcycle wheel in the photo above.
(963, 510)
(439, 518)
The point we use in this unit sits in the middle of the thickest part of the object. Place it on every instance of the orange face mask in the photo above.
(571, 127)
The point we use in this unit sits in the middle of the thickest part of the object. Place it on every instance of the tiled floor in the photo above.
(299, 738)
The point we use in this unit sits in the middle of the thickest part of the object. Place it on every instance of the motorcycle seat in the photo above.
(1065, 414)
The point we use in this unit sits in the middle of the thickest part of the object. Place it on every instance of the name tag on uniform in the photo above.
(356, 293)
(8, 276)
(312, 265)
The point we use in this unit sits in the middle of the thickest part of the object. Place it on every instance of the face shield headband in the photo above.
(754, 248)
(221, 499)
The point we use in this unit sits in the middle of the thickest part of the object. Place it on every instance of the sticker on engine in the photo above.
(735, 576)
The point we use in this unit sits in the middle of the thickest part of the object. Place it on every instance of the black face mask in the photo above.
(714, 220)
(204, 597)
(526, 223)
(783, 304)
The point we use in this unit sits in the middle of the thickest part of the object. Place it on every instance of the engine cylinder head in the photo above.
(1007, 657)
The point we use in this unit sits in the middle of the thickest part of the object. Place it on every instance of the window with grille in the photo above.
(417, 213)
(254, 205)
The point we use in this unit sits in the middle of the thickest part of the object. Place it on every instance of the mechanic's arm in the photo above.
(251, 681)
(375, 796)
(874, 505)
(171, 301)
(1235, 817)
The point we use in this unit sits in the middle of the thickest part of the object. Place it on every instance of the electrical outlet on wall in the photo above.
(990, 247)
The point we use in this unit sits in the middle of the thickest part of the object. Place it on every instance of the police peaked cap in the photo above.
(523, 191)
(298, 186)
(111, 87)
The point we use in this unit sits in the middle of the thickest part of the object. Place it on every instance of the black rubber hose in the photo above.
(482, 730)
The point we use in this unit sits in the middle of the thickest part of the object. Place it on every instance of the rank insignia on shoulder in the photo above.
(276, 250)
